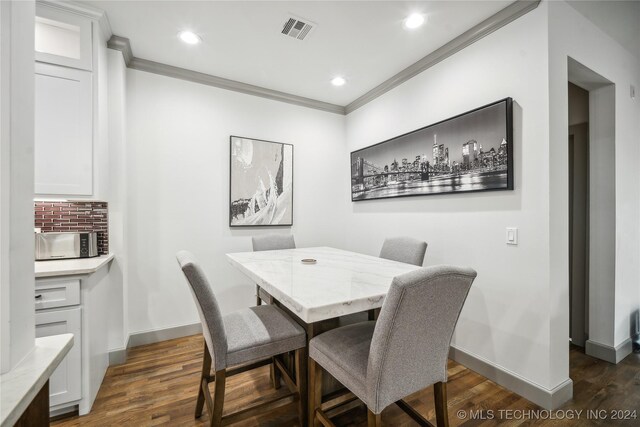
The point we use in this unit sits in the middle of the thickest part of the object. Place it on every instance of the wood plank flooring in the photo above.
(158, 386)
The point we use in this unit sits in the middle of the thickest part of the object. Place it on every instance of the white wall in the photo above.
(178, 188)
(117, 184)
(602, 216)
(17, 311)
(572, 35)
(101, 170)
(506, 318)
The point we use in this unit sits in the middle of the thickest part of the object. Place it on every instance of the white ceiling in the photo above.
(364, 41)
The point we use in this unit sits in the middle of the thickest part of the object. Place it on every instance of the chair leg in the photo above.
(274, 374)
(301, 383)
(315, 391)
(373, 420)
(204, 378)
(218, 399)
(442, 413)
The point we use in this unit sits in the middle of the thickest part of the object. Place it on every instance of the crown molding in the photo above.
(122, 44)
(222, 83)
(483, 29)
(510, 13)
(82, 10)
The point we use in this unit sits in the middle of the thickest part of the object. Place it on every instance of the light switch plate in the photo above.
(512, 236)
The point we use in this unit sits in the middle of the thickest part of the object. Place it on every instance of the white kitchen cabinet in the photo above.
(71, 302)
(63, 131)
(65, 385)
(62, 38)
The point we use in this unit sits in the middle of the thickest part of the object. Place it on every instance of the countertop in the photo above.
(69, 267)
(21, 384)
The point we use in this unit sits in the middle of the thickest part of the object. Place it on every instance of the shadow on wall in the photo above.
(500, 200)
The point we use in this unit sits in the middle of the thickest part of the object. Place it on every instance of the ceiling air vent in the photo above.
(297, 28)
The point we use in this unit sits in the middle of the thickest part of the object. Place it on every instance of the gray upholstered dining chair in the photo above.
(270, 242)
(244, 340)
(403, 352)
(401, 249)
(404, 249)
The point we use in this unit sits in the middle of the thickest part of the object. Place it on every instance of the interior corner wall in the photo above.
(506, 319)
(602, 220)
(572, 35)
(178, 189)
(17, 310)
(117, 184)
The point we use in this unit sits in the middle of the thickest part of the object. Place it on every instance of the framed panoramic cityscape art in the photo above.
(261, 183)
(469, 152)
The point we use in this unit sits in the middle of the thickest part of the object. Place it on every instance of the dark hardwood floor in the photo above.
(158, 386)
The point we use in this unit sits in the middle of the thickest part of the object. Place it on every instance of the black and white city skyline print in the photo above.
(261, 183)
(469, 152)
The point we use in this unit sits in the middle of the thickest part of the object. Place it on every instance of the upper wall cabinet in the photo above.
(64, 131)
(63, 38)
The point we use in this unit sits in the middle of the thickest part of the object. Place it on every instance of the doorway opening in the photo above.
(592, 225)
(578, 215)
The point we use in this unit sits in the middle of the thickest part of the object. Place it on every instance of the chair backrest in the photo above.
(210, 316)
(272, 242)
(410, 343)
(404, 249)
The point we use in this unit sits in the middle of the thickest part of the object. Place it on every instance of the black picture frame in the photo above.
(357, 170)
(231, 183)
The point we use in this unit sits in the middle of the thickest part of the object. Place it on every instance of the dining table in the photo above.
(320, 288)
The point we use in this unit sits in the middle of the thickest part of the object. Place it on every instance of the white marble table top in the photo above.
(340, 283)
(20, 385)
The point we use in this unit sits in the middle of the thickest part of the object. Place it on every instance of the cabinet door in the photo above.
(63, 131)
(65, 384)
(62, 38)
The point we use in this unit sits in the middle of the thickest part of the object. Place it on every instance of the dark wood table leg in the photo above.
(329, 384)
(309, 416)
(37, 413)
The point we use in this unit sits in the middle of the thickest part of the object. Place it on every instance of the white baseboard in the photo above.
(548, 399)
(119, 356)
(608, 353)
(156, 335)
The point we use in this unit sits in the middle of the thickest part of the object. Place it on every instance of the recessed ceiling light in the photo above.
(414, 21)
(189, 37)
(338, 81)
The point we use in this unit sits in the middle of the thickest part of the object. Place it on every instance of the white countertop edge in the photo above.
(21, 384)
(311, 314)
(71, 267)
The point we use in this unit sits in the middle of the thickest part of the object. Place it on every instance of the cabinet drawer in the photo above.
(57, 293)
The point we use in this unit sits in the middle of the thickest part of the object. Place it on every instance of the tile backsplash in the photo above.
(53, 216)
